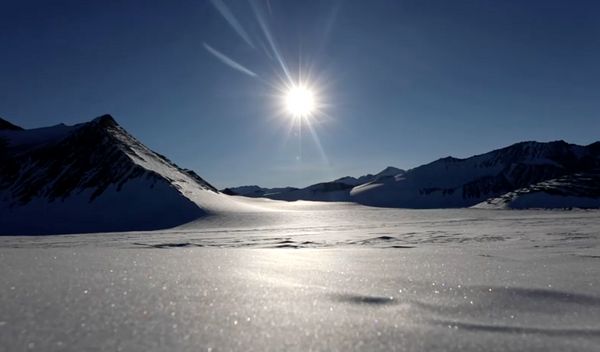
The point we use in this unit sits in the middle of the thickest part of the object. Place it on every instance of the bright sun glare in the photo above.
(300, 101)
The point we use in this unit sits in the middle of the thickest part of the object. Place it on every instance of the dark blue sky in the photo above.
(405, 82)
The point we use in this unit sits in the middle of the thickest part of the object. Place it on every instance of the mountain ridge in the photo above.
(456, 182)
(7, 125)
(322, 191)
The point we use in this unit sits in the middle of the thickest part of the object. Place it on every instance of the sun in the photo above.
(300, 101)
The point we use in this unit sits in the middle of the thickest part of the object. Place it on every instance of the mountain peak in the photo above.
(105, 120)
(390, 171)
(7, 126)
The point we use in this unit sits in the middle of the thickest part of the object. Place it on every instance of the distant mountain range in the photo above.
(556, 169)
(96, 177)
(336, 190)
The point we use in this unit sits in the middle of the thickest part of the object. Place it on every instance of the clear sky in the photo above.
(404, 82)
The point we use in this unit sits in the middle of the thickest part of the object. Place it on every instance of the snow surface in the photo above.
(312, 276)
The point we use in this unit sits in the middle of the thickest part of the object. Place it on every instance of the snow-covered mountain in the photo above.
(94, 177)
(452, 182)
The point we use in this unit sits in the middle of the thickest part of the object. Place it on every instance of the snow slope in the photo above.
(95, 177)
(580, 190)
